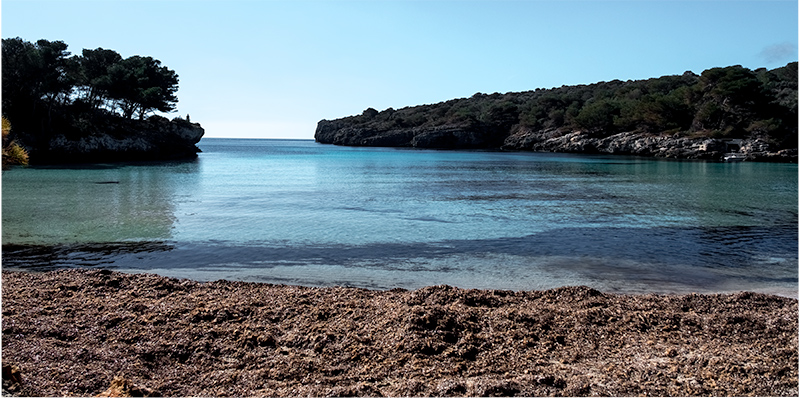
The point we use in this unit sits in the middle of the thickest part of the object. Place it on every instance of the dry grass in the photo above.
(13, 153)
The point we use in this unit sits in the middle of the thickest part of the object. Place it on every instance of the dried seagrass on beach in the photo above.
(78, 332)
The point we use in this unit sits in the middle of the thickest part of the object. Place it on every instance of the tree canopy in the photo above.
(43, 74)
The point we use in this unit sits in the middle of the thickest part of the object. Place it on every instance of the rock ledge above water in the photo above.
(111, 139)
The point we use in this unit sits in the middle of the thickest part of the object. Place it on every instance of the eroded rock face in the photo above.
(641, 144)
(550, 140)
(156, 138)
(440, 137)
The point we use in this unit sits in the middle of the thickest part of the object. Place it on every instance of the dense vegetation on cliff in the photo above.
(730, 102)
(90, 103)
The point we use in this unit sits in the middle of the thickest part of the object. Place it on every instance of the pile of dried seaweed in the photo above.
(74, 332)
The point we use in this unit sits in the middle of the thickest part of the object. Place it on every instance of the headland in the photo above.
(752, 113)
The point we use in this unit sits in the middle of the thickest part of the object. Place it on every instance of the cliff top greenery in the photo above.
(49, 95)
(43, 74)
(727, 102)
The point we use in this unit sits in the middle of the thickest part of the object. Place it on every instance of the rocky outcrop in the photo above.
(116, 139)
(551, 140)
(335, 132)
(640, 144)
(440, 137)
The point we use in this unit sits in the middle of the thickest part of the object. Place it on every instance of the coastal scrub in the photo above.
(13, 153)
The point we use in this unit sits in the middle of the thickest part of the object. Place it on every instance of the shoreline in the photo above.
(169, 258)
(783, 292)
(630, 144)
(71, 332)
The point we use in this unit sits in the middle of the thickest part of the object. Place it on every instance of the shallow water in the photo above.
(297, 212)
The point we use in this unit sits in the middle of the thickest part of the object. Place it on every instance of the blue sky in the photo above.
(273, 69)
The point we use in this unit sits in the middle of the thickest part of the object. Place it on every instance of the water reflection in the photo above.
(94, 203)
(296, 212)
(47, 258)
(630, 260)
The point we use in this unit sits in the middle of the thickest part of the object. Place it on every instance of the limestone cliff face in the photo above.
(641, 144)
(550, 140)
(455, 136)
(117, 139)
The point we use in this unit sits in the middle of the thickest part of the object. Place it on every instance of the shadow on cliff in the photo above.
(64, 136)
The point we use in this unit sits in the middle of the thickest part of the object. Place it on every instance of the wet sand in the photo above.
(73, 332)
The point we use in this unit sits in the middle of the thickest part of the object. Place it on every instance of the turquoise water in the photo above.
(298, 212)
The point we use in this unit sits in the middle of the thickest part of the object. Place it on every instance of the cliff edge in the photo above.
(675, 146)
(111, 139)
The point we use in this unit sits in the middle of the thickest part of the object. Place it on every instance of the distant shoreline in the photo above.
(752, 113)
(581, 143)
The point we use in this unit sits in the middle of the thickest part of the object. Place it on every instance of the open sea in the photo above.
(298, 212)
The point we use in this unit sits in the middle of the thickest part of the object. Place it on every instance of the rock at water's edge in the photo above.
(117, 139)
(550, 140)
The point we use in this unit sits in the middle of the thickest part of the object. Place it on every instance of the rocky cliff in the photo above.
(641, 144)
(448, 136)
(553, 140)
(114, 139)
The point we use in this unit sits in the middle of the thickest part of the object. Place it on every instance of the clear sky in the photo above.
(273, 69)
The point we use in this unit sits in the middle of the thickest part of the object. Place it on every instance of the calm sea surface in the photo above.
(298, 212)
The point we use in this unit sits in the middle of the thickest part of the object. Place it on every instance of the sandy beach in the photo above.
(74, 332)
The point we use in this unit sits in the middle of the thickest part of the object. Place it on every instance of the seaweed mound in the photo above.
(76, 332)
